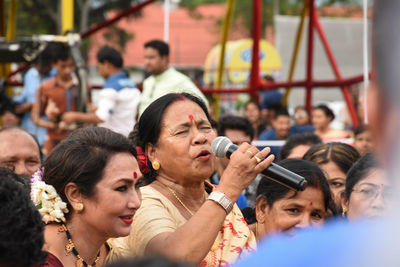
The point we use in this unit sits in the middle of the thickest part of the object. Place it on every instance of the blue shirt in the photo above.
(32, 81)
(338, 243)
(118, 81)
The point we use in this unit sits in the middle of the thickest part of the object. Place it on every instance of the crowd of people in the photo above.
(134, 182)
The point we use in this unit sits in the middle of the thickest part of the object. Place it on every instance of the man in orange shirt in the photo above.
(55, 97)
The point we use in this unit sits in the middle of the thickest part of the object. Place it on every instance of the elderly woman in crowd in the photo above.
(366, 191)
(334, 159)
(88, 195)
(280, 209)
(182, 216)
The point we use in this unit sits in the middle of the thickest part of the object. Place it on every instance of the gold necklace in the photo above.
(180, 201)
(71, 247)
(215, 244)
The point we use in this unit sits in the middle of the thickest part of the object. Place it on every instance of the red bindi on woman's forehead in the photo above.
(191, 117)
(310, 203)
(135, 175)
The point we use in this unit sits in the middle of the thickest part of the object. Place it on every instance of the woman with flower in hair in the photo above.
(88, 194)
(182, 216)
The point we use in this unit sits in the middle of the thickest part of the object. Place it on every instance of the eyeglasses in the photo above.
(372, 191)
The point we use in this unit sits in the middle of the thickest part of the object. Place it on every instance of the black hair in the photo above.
(359, 171)
(269, 78)
(148, 128)
(45, 57)
(281, 112)
(149, 261)
(21, 226)
(327, 111)
(253, 101)
(273, 191)
(275, 106)
(161, 46)
(214, 124)
(61, 52)
(360, 129)
(227, 122)
(306, 138)
(82, 158)
(110, 55)
(343, 155)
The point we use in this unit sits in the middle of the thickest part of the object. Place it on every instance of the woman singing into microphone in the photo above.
(182, 216)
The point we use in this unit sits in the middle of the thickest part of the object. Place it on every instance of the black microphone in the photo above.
(222, 146)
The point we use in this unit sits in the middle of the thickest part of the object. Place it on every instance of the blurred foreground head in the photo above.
(384, 94)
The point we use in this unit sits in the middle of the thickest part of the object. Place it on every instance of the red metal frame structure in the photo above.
(255, 83)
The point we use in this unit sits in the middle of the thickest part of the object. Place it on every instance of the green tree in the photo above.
(44, 16)
(243, 9)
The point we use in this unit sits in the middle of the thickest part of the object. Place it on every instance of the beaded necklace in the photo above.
(71, 247)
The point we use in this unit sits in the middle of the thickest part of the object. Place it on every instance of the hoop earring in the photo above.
(79, 207)
(156, 165)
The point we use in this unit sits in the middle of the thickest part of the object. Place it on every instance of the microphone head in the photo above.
(220, 146)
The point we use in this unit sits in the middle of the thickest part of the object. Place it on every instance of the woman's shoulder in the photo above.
(335, 134)
(51, 261)
(149, 192)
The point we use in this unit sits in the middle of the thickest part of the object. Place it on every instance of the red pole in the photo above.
(310, 48)
(22, 67)
(254, 81)
(126, 12)
(335, 68)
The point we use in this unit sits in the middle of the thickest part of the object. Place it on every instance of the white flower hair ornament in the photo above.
(46, 199)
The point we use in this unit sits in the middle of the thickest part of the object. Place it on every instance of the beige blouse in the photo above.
(158, 215)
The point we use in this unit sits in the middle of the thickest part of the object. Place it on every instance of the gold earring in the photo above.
(344, 212)
(262, 219)
(156, 165)
(79, 207)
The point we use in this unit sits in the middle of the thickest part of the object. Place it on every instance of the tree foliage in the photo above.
(243, 8)
(44, 16)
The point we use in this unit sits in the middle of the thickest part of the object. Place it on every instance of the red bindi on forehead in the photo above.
(135, 175)
(191, 117)
(310, 203)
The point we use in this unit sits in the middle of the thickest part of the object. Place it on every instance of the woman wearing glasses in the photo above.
(366, 190)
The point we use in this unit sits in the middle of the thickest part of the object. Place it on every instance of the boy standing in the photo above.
(55, 97)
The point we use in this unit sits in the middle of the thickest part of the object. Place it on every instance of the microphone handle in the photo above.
(285, 177)
(277, 173)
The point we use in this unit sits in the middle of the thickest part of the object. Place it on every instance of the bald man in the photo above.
(19, 151)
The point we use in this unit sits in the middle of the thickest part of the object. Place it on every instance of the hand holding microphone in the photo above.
(222, 146)
(244, 165)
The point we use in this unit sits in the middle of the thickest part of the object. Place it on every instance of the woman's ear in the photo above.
(261, 208)
(344, 202)
(150, 150)
(74, 196)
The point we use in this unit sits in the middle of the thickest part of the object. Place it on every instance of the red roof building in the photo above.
(192, 34)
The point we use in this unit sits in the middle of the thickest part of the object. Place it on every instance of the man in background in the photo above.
(39, 72)
(19, 151)
(163, 79)
(239, 130)
(56, 96)
(118, 100)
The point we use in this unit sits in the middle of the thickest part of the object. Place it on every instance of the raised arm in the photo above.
(192, 241)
